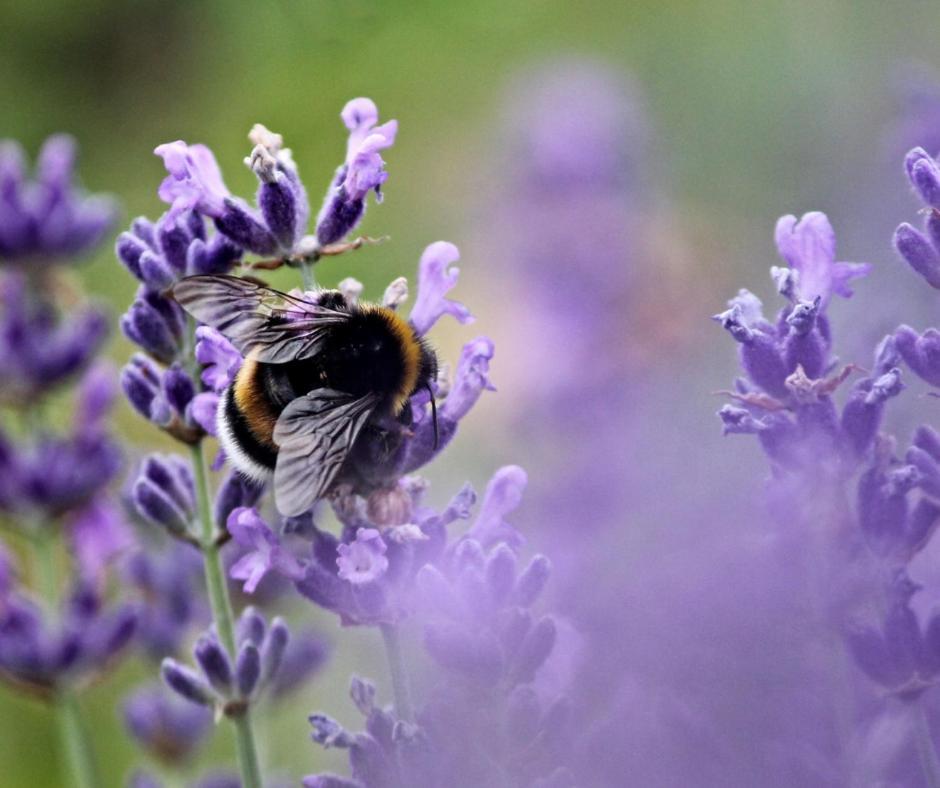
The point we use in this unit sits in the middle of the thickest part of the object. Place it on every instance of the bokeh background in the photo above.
(728, 114)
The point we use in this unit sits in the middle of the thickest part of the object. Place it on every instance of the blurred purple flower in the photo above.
(170, 584)
(165, 726)
(47, 652)
(363, 559)
(48, 218)
(39, 348)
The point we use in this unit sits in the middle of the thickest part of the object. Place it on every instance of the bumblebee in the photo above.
(320, 374)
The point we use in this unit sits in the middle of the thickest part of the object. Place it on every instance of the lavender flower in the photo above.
(165, 726)
(39, 348)
(48, 218)
(920, 249)
(367, 576)
(195, 184)
(818, 454)
(362, 172)
(480, 634)
(169, 582)
(227, 683)
(54, 474)
(47, 654)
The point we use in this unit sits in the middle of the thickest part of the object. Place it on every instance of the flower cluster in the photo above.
(820, 453)
(367, 575)
(48, 651)
(228, 682)
(48, 218)
(58, 632)
(485, 649)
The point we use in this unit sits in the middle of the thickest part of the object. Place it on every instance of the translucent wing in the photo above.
(277, 326)
(314, 435)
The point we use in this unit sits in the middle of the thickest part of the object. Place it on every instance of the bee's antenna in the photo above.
(433, 415)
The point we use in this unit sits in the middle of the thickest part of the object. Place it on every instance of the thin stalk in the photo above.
(925, 748)
(74, 739)
(396, 666)
(307, 276)
(73, 736)
(222, 615)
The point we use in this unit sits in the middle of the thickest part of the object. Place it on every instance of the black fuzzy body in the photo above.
(368, 354)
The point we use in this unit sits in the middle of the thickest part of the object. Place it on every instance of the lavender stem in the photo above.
(306, 275)
(73, 737)
(399, 676)
(925, 748)
(222, 615)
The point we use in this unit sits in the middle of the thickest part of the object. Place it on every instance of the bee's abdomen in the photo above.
(250, 409)
(247, 452)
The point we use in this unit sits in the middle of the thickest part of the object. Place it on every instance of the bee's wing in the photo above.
(314, 434)
(277, 326)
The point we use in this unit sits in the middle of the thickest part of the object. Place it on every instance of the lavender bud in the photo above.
(501, 572)
(273, 648)
(237, 222)
(186, 682)
(251, 626)
(362, 693)
(532, 580)
(918, 252)
(247, 669)
(925, 177)
(214, 662)
(536, 647)
(329, 733)
(927, 438)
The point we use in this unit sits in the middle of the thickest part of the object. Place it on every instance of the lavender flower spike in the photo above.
(362, 171)
(435, 279)
(231, 682)
(809, 247)
(49, 217)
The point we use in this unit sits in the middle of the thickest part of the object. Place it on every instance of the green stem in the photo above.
(73, 736)
(925, 748)
(222, 615)
(396, 666)
(306, 275)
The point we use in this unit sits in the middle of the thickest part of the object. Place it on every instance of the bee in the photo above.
(320, 373)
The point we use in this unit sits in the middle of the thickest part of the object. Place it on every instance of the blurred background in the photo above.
(611, 172)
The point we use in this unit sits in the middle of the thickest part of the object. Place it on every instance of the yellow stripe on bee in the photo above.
(250, 400)
(409, 349)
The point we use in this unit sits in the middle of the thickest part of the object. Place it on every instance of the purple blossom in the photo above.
(226, 682)
(165, 726)
(176, 245)
(99, 534)
(46, 652)
(194, 182)
(503, 495)
(48, 218)
(435, 280)
(362, 560)
(40, 349)
(265, 552)
(220, 360)
(809, 247)
(362, 171)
